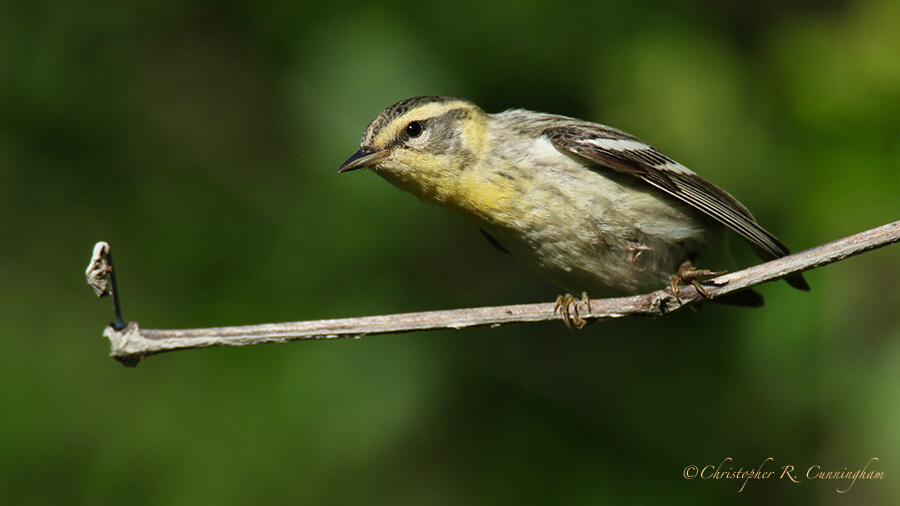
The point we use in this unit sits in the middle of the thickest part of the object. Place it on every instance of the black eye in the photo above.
(414, 129)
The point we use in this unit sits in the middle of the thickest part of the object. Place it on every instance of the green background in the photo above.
(202, 139)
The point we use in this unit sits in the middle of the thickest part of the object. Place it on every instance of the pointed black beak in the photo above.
(365, 157)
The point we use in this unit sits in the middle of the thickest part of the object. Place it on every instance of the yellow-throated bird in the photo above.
(588, 207)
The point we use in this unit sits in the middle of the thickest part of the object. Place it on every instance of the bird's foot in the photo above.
(568, 309)
(688, 274)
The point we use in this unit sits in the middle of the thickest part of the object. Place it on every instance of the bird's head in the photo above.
(422, 144)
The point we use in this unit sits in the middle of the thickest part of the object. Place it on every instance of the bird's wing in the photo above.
(624, 153)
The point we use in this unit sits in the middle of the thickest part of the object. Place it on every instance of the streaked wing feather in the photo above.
(631, 156)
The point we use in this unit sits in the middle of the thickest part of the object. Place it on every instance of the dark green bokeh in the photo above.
(202, 139)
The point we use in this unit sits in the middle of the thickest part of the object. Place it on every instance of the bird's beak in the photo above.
(365, 157)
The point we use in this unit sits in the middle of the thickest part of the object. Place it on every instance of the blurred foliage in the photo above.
(201, 139)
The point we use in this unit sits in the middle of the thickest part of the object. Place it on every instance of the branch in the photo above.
(130, 343)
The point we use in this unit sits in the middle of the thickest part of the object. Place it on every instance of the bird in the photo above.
(588, 207)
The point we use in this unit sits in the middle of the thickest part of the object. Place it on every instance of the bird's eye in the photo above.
(414, 129)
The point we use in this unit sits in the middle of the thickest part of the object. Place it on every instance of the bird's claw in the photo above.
(686, 273)
(568, 309)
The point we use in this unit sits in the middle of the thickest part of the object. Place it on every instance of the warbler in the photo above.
(588, 207)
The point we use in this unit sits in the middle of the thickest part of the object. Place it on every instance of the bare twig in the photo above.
(131, 344)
